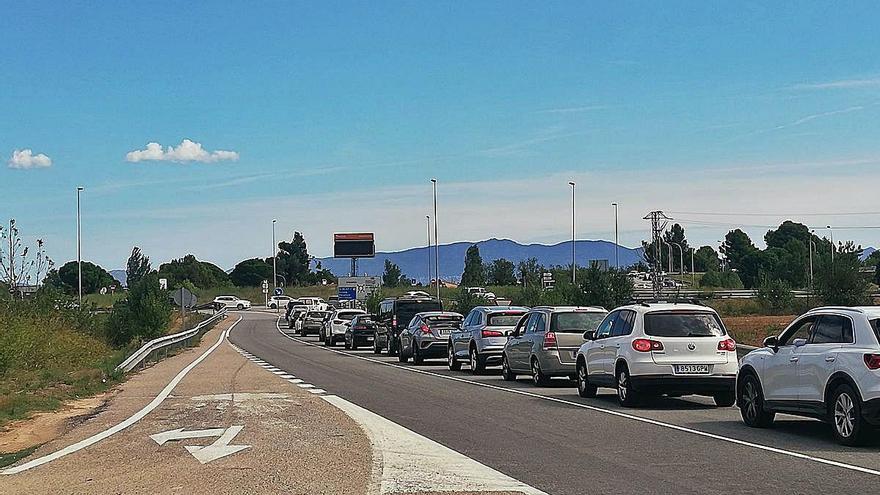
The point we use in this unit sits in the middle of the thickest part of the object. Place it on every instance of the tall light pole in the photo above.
(693, 272)
(812, 244)
(428, 218)
(436, 240)
(274, 251)
(573, 242)
(616, 239)
(79, 265)
(831, 230)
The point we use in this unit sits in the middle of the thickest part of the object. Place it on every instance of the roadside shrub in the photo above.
(775, 296)
(372, 302)
(726, 280)
(465, 301)
(143, 315)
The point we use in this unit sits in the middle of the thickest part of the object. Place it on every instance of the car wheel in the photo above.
(376, 348)
(328, 341)
(353, 346)
(846, 416)
(626, 395)
(416, 354)
(751, 403)
(478, 364)
(392, 349)
(725, 399)
(585, 388)
(507, 374)
(240, 307)
(401, 357)
(347, 345)
(538, 376)
(451, 360)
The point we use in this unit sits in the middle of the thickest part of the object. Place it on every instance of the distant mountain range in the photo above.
(414, 262)
(120, 276)
(867, 252)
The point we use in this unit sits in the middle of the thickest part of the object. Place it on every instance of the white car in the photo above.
(646, 350)
(338, 324)
(231, 302)
(276, 302)
(314, 303)
(826, 365)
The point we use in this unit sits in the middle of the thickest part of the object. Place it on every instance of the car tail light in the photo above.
(360, 327)
(492, 333)
(394, 321)
(872, 361)
(647, 345)
(549, 340)
(424, 328)
(727, 345)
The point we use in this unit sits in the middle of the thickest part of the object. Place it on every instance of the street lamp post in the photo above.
(436, 240)
(573, 242)
(681, 257)
(812, 245)
(428, 219)
(79, 266)
(693, 272)
(616, 239)
(831, 231)
(274, 251)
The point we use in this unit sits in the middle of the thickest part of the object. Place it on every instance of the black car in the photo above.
(362, 330)
(394, 315)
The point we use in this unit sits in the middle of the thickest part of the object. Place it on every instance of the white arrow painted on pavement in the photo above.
(179, 434)
(220, 448)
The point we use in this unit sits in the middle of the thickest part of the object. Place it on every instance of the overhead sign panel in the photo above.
(354, 245)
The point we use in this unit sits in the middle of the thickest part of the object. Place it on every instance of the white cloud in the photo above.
(186, 151)
(842, 84)
(25, 159)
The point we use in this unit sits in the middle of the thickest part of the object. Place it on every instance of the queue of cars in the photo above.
(824, 365)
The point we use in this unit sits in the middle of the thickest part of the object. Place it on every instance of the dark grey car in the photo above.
(546, 340)
(312, 322)
(426, 335)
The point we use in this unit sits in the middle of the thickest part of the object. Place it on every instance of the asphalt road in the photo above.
(554, 440)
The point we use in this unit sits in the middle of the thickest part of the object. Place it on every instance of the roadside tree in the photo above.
(474, 272)
(501, 272)
(137, 267)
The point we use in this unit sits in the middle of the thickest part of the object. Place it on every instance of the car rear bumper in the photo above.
(433, 349)
(669, 384)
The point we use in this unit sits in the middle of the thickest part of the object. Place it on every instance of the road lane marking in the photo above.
(128, 422)
(641, 419)
(220, 447)
(406, 462)
(317, 391)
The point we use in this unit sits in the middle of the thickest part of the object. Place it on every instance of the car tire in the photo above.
(328, 341)
(353, 346)
(346, 345)
(376, 348)
(417, 355)
(847, 423)
(725, 399)
(392, 350)
(477, 362)
(626, 395)
(401, 357)
(750, 399)
(451, 361)
(539, 379)
(507, 374)
(585, 388)
(240, 307)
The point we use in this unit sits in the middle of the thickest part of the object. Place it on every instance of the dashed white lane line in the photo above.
(278, 372)
(305, 385)
(128, 422)
(295, 381)
(318, 391)
(619, 414)
(287, 377)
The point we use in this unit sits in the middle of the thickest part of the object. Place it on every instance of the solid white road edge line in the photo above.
(128, 422)
(407, 462)
(736, 441)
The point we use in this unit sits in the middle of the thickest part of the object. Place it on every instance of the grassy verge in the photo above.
(13, 457)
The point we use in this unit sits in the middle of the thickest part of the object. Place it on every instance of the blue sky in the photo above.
(339, 112)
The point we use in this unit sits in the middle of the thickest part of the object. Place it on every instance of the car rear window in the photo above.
(575, 321)
(509, 319)
(346, 316)
(683, 324)
(875, 324)
(406, 310)
(444, 320)
(316, 314)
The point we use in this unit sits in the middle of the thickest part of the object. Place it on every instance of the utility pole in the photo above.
(274, 256)
(573, 242)
(79, 265)
(436, 240)
(693, 272)
(428, 218)
(616, 239)
(831, 231)
(658, 223)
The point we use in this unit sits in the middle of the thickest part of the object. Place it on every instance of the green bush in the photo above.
(725, 280)
(142, 316)
(775, 296)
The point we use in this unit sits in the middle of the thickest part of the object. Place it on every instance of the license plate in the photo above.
(691, 369)
(370, 338)
(442, 332)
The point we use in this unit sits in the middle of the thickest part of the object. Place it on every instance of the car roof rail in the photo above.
(839, 308)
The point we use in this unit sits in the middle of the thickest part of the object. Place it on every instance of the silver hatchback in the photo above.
(481, 338)
(546, 341)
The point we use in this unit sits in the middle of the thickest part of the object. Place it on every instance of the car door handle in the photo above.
(829, 359)
(617, 346)
(793, 359)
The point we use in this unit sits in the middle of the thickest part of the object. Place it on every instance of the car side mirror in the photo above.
(590, 335)
(799, 342)
(772, 342)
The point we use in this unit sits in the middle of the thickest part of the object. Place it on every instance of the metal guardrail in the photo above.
(646, 294)
(144, 352)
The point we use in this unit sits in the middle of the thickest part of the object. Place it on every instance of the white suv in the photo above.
(221, 302)
(825, 364)
(663, 348)
(338, 324)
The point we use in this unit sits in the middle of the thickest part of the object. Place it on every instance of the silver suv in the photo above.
(482, 336)
(546, 340)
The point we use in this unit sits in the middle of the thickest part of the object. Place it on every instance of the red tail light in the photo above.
(394, 321)
(872, 361)
(424, 328)
(359, 327)
(492, 333)
(647, 345)
(727, 345)
(549, 340)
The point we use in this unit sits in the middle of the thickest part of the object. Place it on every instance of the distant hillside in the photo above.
(120, 276)
(867, 252)
(414, 262)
